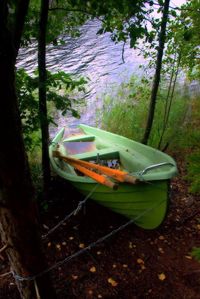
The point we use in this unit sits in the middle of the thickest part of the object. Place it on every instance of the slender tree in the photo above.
(42, 94)
(18, 213)
(156, 80)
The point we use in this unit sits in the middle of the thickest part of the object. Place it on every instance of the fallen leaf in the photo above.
(188, 257)
(93, 269)
(112, 282)
(114, 265)
(161, 238)
(74, 277)
(58, 246)
(140, 261)
(45, 226)
(161, 250)
(125, 266)
(161, 276)
(81, 245)
(130, 245)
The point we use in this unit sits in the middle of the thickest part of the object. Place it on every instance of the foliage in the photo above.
(192, 142)
(182, 43)
(60, 22)
(126, 20)
(193, 171)
(184, 39)
(26, 87)
(125, 113)
(62, 91)
(196, 253)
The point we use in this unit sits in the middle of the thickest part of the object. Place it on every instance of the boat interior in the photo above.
(94, 149)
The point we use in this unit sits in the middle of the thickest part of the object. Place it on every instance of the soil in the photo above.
(132, 264)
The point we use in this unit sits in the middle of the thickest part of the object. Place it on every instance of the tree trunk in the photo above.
(156, 81)
(18, 213)
(42, 94)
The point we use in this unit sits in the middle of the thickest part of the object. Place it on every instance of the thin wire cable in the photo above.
(90, 246)
(73, 213)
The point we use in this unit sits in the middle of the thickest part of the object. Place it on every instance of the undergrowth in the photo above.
(125, 114)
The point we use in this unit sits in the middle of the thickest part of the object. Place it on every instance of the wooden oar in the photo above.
(95, 176)
(117, 174)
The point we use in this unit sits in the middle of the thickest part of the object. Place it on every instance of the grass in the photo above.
(126, 113)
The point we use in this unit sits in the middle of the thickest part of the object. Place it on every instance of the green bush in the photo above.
(193, 171)
(62, 91)
(196, 253)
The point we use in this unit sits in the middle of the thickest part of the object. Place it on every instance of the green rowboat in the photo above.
(145, 202)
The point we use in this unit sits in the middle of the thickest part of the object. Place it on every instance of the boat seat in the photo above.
(80, 138)
(106, 153)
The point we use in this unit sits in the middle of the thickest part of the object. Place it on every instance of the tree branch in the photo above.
(123, 48)
(4, 248)
(5, 274)
(72, 10)
(76, 10)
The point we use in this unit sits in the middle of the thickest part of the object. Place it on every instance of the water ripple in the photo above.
(91, 55)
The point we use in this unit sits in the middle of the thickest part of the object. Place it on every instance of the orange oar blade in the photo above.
(117, 174)
(97, 177)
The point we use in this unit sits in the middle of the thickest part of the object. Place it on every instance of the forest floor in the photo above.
(132, 264)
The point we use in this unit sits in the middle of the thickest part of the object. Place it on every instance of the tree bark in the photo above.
(20, 15)
(18, 212)
(156, 80)
(42, 94)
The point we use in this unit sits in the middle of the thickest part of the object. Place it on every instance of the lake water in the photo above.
(94, 56)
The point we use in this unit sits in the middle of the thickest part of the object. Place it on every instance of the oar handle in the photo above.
(131, 179)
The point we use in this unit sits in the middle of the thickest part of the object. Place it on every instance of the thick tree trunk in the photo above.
(42, 94)
(18, 213)
(156, 80)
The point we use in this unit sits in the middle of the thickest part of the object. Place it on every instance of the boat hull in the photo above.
(145, 203)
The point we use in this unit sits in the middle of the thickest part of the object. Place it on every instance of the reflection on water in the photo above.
(91, 55)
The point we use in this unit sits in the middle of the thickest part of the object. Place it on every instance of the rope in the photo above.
(90, 246)
(73, 213)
